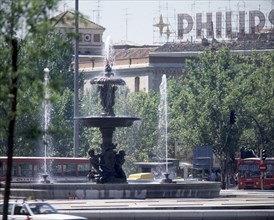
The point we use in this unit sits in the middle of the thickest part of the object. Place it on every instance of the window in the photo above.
(37, 168)
(20, 210)
(137, 84)
(22, 169)
(41, 208)
(83, 169)
(26, 169)
(269, 171)
(10, 209)
(69, 169)
(249, 170)
(1, 170)
(146, 170)
(97, 38)
(87, 37)
(56, 169)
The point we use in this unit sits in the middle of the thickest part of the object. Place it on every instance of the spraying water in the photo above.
(93, 96)
(109, 52)
(46, 115)
(163, 121)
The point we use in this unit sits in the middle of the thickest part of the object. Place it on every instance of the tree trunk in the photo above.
(223, 174)
(11, 126)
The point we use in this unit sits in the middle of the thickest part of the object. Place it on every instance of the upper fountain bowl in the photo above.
(108, 78)
(103, 80)
(107, 85)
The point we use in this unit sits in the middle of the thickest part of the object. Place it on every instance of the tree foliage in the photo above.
(145, 106)
(141, 138)
(40, 47)
(24, 26)
(211, 87)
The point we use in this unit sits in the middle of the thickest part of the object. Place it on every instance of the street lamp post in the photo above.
(76, 79)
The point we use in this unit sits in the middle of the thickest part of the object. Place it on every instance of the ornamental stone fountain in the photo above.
(107, 166)
(109, 179)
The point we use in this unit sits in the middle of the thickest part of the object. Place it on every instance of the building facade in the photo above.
(142, 67)
(91, 34)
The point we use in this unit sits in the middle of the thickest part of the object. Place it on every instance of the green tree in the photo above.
(258, 114)
(203, 100)
(141, 139)
(61, 125)
(211, 87)
(30, 124)
(21, 70)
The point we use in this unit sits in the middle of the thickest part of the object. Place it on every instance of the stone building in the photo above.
(142, 67)
(131, 63)
(91, 34)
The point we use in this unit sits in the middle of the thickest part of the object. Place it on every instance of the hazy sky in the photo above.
(133, 20)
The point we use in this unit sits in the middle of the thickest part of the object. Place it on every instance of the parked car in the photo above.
(24, 210)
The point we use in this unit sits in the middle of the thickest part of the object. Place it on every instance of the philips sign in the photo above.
(226, 24)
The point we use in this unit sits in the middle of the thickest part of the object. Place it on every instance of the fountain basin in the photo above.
(195, 189)
(107, 121)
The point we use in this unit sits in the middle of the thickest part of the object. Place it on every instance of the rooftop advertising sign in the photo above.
(224, 24)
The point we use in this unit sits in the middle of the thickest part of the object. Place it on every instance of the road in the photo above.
(232, 204)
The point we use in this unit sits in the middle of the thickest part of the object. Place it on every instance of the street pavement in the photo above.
(232, 204)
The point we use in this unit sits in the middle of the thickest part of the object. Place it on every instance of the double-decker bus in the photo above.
(250, 177)
(59, 169)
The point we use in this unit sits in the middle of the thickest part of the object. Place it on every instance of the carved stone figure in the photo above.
(120, 160)
(94, 162)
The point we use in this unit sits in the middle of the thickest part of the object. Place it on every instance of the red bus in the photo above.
(249, 175)
(60, 169)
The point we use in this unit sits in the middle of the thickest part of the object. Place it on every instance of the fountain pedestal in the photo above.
(166, 179)
(107, 166)
(110, 161)
(44, 178)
